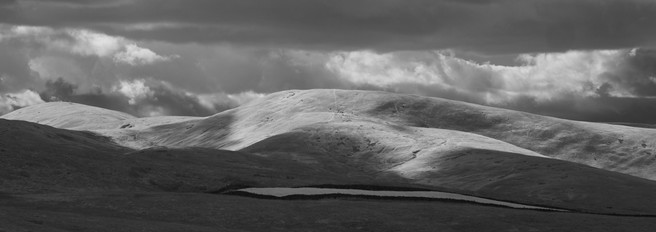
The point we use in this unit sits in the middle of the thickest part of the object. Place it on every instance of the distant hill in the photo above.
(376, 118)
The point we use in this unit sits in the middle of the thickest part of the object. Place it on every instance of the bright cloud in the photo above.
(134, 90)
(215, 101)
(33, 55)
(135, 55)
(76, 41)
(85, 43)
(12, 101)
(91, 43)
(542, 76)
(245, 97)
(150, 97)
(365, 67)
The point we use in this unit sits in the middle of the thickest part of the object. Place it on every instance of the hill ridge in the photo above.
(617, 148)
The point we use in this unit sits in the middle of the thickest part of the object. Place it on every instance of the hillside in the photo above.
(67, 115)
(361, 137)
(82, 159)
(380, 119)
(37, 158)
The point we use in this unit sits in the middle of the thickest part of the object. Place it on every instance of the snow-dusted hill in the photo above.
(359, 122)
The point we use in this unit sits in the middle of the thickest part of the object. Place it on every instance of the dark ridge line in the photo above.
(342, 196)
(367, 187)
(236, 187)
(230, 188)
(633, 124)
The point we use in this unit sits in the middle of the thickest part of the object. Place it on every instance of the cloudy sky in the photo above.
(589, 60)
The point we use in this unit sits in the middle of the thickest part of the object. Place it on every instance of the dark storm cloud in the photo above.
(502, 26)
(590, 108)
(8, 2)
(283, 70)
(637, 73)
(603, 108)
(14, 69)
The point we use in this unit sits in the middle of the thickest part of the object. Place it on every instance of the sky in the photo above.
(592, 60)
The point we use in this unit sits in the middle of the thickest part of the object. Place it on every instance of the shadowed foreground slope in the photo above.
(37, 158)
(157, 212)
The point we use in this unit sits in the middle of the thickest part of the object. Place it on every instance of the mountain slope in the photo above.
(613, 147)
(67, 115)
(296, 138)
(618, 148)
(37, 158)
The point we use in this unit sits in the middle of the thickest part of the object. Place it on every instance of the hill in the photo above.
(380, 119)
(355, 137)
(66, 166)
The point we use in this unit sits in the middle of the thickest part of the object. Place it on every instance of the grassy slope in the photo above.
(618, 148)
(335, 150)
(38, 158)
(486, 173)
(67, 115)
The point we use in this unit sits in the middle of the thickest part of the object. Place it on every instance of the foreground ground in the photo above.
(152, 211)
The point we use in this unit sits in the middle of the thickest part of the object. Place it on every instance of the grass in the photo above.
(151, 211)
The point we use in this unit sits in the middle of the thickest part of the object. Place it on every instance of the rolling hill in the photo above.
(364, 114)
(335, 137)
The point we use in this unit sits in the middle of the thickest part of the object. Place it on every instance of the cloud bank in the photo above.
(603, 85)
(145, 98)
(579, 59)
(492, 26)
(148, 79)
(101, 70)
